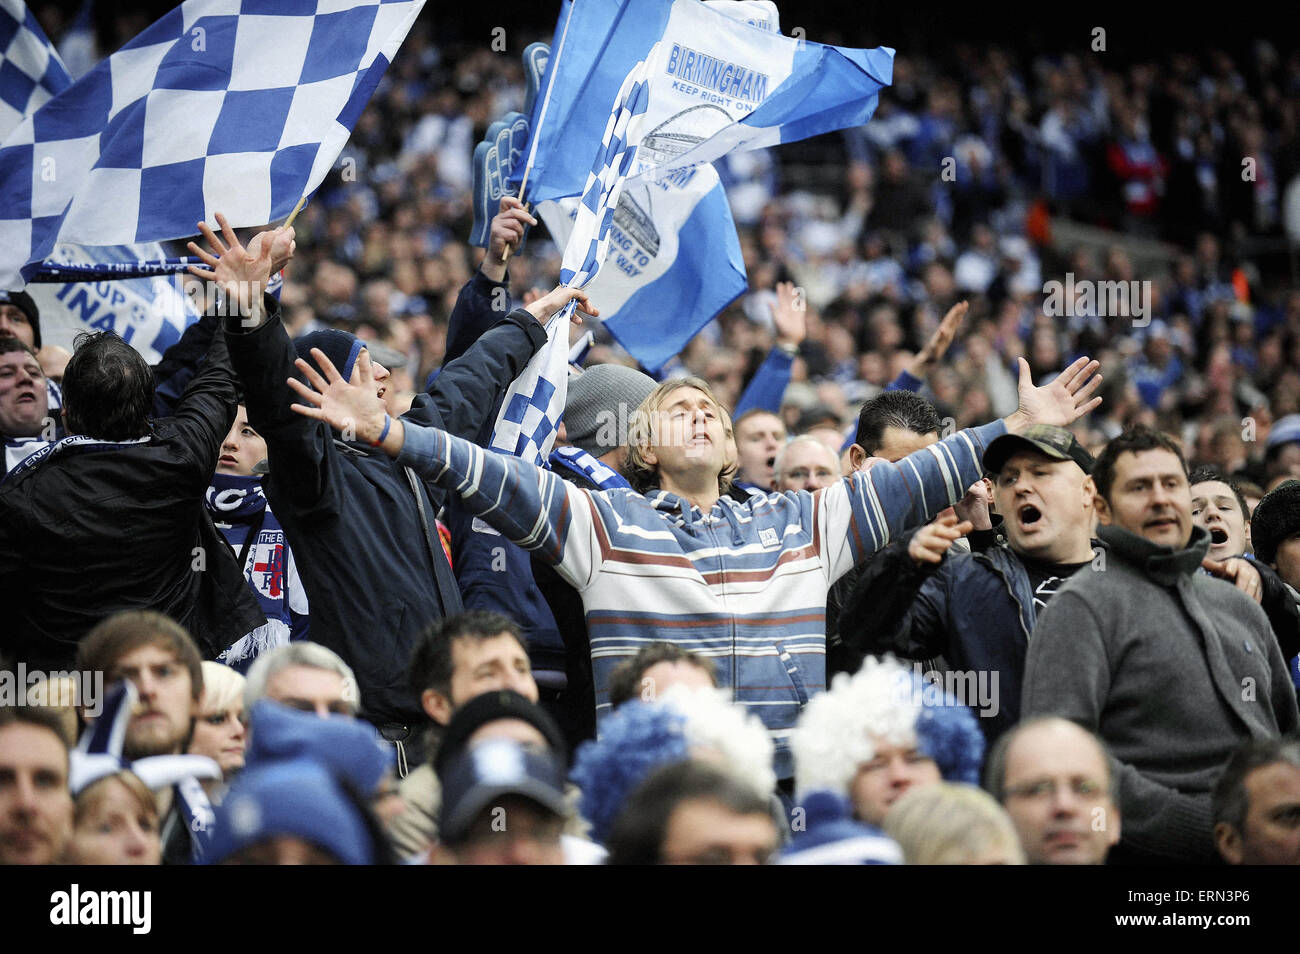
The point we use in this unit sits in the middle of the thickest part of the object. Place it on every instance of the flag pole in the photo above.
(294, 214)
(541, 116)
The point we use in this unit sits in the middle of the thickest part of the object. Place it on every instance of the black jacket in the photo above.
(974, 609)
(96, 528)
(349, 511)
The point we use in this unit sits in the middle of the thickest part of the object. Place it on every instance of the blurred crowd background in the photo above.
(990, 169)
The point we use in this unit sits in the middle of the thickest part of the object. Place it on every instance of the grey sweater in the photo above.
(1173, 668)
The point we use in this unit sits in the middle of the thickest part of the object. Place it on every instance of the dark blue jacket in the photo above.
(976, 610)
(493, 573)
(349, 511)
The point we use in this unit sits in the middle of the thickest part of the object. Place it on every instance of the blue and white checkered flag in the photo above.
(531, 411)
(30, 70)
(233, 105)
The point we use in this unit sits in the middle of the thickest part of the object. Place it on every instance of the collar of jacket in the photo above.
(691, 518)
(1164, 565)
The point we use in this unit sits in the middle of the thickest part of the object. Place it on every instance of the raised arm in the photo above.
(301, 451)
(529, 506)
(485, 299)
(466, 392)
(767, 387)
(864, 511)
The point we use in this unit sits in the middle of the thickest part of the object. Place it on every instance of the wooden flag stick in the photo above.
(294, 214)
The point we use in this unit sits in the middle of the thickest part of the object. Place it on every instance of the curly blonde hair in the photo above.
(644, 476)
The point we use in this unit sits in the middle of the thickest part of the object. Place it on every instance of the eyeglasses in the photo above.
(1085, 788)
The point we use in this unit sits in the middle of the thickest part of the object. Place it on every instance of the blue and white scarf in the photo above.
(238, 507)
(578, 461)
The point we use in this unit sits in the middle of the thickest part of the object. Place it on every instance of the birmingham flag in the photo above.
(240, 106)
(723, 78)
(534, 404)
(676, 261)
(30, 70)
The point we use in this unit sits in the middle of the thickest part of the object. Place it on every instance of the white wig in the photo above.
(715, 726)
(835, 733)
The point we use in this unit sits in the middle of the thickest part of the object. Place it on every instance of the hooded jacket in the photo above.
(744, 584)
(1173, 669)
(352, 515)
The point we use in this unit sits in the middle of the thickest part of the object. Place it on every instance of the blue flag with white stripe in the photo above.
(31, 72)
(534, 404)
(240, 106)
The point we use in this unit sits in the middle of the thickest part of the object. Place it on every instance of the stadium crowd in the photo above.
(903, 560)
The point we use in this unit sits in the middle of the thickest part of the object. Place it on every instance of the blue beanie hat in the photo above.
(340, 347)
(348, 747)
(830, 836)
(297, 797)
(633, 742)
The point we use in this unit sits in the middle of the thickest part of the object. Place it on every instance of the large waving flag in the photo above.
(675, 261)
(534, 404)
(30, 70)
(233, 105)
(723, 79)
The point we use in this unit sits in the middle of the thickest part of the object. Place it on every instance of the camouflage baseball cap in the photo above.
(1049, 440)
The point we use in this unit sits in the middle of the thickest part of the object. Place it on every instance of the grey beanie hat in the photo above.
(601, 400)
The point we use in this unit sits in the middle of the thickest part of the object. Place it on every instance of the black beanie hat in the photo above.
(488, 707)
(340, 347)
(1276, 517)
(24, 303)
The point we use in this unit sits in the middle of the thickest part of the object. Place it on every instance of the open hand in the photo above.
(352, 408)
(789, 315)
(241, 273)
(1062, 402)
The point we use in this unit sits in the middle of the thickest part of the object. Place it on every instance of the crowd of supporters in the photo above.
(969, 534)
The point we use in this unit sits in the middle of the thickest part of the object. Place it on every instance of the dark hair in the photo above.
(39, 716)
(901, 409)
(431, 661)
(107, 389)
(637, 835)
(1204, 474)
(1228, 801)
(995, 766)
(1135, 440)
(625, 680)
(8, 345)
(128, 630)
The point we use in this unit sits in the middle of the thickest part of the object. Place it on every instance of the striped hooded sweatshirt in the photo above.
(744, 585)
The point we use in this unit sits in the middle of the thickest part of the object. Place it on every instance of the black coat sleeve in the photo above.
(301, 451)
(465, 392)
(206, 409)
(180, 363)
(1280, 606)
(479, 306)
(884, 612)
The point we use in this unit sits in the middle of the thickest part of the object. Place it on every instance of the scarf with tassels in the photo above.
(239, 510)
